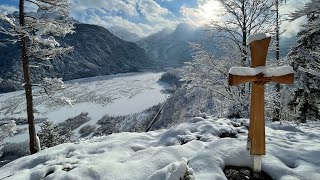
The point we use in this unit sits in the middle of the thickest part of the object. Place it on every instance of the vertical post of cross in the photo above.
(259, 75)
(259, 51)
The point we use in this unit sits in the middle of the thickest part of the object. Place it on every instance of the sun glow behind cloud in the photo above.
(210, 10)
(144, 17)
(207, 10)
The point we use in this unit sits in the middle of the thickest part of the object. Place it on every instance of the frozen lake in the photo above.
(120, 94)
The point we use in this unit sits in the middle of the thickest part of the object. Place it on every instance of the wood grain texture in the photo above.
(235, 80)
(259, 50)
(257, 124)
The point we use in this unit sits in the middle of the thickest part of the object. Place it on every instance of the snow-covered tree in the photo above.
(305, 58)
(241, 19)
(36, 32)
(51, 135)
(7, 129)
(276, 100)
(208, 72)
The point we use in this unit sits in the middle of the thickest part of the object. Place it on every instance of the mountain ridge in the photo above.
(96, 52)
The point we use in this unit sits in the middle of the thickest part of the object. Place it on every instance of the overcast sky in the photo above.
(144, 17)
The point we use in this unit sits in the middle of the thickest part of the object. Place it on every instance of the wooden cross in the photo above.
(256, 137)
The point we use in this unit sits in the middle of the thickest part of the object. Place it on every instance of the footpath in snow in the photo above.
(199, 148)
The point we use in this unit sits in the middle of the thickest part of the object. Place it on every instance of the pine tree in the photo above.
(7, 129)
(276, 109)
(36, 31)
(305, 59)
(51, 135)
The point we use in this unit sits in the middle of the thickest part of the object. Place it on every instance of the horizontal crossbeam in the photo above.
(235, 80)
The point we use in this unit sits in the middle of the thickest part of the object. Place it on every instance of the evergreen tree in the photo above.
(7, 129)
(305, 59)
(276, 109)
(51, 135)
(36, 32)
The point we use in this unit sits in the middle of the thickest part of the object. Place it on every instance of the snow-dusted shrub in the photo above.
(22, 121)
(137, 122)
(51, 135)
(211, 73)
(87, 130)
(74, 123)
(172, 78)
(183, 104)
(7, 129)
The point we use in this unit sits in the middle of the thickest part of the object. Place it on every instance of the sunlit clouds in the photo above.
(144, 17)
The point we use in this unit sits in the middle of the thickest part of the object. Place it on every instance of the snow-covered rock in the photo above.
(174, 171)
(291, 154)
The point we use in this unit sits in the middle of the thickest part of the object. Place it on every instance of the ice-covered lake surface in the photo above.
(120, 94)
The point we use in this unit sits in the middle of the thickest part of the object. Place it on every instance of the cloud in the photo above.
(7, 9)
(109, 6)
(206, 11)
(142, 17)
(151, 10)
(110, 21)
(292, 28)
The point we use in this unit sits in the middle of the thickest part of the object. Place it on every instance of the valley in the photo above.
(112, 95)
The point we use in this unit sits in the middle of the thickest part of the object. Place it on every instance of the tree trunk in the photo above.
(244, 34)
(244, 45)
(277, 86)
(27, 83)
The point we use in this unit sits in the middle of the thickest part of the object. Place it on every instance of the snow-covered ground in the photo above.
(120, 94)
(293, 152)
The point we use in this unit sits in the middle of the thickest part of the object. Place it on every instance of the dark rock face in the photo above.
(242, 173)
(96, 52)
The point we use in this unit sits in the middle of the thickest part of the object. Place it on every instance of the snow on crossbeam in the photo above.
(261, 74)
(257, 37)
(268, 72)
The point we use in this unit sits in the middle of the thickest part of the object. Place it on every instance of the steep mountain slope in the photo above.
(96, 52)
(172, 48)
(124, 34)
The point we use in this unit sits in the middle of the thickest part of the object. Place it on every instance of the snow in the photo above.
(38, 143)
(193, 147)
(268, 72)
(120, 94)
(257, 37)
(173, 171)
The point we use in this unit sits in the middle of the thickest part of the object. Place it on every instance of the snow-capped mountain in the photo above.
(96, 52)
(124, 34)
(171, 48)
